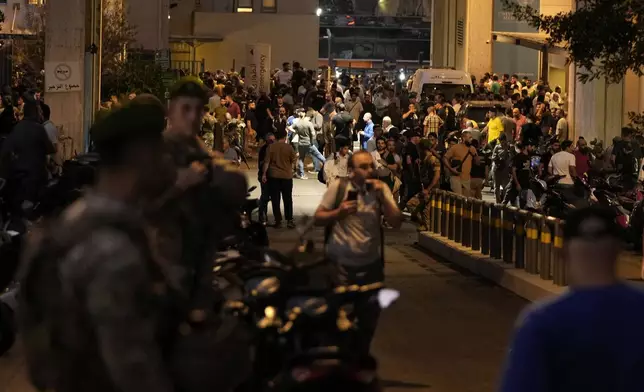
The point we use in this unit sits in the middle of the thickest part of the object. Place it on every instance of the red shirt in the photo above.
(234, 110)
(582, 163)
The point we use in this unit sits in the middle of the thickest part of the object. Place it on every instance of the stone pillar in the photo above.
(65, 44)
(478, 33)
(598, 110)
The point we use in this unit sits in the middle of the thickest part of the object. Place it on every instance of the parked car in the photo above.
(476, 111)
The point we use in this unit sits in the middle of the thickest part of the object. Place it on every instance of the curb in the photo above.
(530, 287)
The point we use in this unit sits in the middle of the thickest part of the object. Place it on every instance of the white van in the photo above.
(447, 81)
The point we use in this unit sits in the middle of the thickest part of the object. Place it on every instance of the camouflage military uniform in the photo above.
(187, 228)
(210, 352)
(96, 310)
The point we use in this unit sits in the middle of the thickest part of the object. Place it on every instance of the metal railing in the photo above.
(528, 241)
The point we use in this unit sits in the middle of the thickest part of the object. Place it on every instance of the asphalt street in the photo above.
(448, 332)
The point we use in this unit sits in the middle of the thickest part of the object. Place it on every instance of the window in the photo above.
(269, 5)
(243, 5)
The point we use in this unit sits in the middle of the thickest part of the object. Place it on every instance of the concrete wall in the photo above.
(292, 37)
(478, 58)
(151, 21)
(598, 110)
(475, 55)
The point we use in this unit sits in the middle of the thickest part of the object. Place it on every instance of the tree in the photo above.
(605, 38)
(29, 53)
(121, 68)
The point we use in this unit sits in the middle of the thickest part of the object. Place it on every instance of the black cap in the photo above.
(189, 87)
(591, 223)
(139, 120)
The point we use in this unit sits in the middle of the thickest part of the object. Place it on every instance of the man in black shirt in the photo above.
(555, 147)
(262, 114)
(299, 76)
(252, 125)
(411, 167)
(23, 159)
(530, 132)
(318, 99)
(520, 174)
(342, 122)
(265, 197)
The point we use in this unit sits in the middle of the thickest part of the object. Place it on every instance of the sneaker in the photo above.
(277, 225)
(303, 178)
(290, 224)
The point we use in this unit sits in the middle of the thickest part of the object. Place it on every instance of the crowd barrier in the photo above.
(527, 240)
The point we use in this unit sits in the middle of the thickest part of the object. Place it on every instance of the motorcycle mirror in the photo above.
(386, 297)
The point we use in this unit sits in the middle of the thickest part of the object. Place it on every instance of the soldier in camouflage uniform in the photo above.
(187, 226)
(97, 312)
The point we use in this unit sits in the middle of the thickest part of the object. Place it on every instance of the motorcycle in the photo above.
(254, 231)
(304, 330)
(77, 174)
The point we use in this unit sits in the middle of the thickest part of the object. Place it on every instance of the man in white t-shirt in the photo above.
(563, 164)
(284, 76)
(352, 210)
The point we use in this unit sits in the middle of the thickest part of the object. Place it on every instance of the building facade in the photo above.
(214, 34)
(375, 34)
(479, 36)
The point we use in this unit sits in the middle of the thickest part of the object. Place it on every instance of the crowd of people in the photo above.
(417, 142)
(116, 293)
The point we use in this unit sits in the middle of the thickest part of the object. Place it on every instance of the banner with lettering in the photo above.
(258, 67)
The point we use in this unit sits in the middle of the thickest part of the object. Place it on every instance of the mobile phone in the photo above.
(352, 196)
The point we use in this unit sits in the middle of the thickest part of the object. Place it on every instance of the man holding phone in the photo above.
(352, 210)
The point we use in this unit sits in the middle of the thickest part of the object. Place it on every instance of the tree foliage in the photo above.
(29, 53)
(605, 37)
(122, 69)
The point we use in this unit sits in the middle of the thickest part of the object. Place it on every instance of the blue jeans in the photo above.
(318, 158)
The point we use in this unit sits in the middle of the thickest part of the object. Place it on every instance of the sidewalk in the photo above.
(530, 287)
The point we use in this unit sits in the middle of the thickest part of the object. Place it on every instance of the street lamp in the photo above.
(318, 11)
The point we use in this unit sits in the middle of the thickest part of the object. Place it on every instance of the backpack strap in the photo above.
(339, 197)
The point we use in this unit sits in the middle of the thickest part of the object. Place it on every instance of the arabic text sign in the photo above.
(258, 61)
(61, 77)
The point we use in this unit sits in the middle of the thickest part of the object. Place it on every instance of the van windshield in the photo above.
(446, 89)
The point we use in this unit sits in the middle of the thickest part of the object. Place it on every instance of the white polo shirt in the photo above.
(355, 240)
